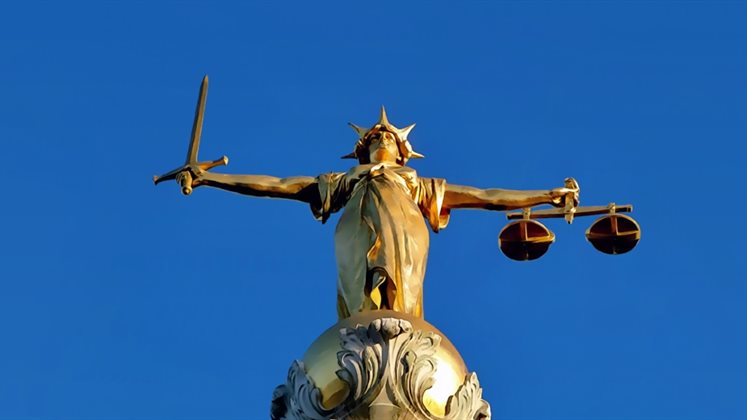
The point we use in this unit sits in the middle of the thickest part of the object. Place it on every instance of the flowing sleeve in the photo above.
(430, 200)
(331, 195)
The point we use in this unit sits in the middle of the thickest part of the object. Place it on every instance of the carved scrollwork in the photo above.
(467, 402)
(365, 353)
(385, 363)
(299, 398)
(414, 374)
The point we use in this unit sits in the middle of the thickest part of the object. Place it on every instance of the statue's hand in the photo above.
(190, 175)
(190, 178)
(558, 196)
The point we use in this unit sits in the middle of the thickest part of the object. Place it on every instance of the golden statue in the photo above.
(382, 360)
(381, 240)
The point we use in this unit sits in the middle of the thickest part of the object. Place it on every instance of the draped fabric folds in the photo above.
(382, 230)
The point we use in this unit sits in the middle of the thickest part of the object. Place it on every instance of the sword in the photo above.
(191, 165)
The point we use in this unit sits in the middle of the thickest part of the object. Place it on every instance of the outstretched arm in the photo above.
(465, 197)
(300, 188)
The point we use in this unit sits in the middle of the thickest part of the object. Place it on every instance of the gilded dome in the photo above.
(321, 361)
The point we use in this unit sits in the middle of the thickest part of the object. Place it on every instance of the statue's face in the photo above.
(383, 147)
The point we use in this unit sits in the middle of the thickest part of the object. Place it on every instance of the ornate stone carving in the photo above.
(298, 398)
(388, 367)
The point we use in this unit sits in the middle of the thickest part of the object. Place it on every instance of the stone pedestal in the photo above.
(380, 365)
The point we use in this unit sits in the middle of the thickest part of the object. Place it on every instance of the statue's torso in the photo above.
(382, 228)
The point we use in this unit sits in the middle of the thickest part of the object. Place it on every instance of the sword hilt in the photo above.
(205, 166)
(186, 183)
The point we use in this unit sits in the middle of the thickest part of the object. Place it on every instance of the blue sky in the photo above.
(120, 300)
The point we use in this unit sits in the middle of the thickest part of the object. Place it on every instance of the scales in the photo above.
(526, 239)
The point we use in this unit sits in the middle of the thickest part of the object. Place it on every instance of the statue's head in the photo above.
(383, 143)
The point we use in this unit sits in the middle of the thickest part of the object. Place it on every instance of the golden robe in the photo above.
(381, 230)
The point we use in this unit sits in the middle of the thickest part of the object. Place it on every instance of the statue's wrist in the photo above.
(202, 178)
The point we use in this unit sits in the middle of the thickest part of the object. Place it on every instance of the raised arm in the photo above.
(300, 188)
(466, 197)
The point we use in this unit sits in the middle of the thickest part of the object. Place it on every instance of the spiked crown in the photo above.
(364, 136)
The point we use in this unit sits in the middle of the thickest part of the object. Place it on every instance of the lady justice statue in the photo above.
(381, 240)
(381, 248)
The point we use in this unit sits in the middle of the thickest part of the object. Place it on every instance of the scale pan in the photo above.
(525, 240)
(614, 234)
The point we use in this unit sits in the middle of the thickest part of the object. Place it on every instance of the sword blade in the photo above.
(194, 144)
